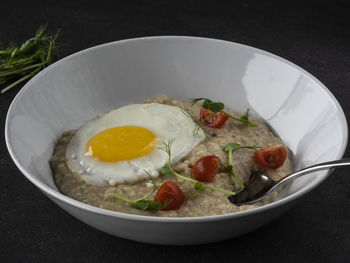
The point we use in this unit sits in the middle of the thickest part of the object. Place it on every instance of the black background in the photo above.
(313, 34)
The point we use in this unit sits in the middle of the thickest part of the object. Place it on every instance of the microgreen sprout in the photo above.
(142, 203)
(230, 147)
(168, 170)
(216, 107)
(199, 125)
(18, 64)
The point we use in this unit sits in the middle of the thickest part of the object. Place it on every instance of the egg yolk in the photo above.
(121, 144)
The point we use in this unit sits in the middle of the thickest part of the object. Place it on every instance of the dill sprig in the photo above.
(168, 170)
(18, 64)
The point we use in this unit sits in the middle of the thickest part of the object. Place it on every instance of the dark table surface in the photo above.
(314, 35)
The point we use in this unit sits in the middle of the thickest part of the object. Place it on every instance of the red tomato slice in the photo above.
(171, 193)
(271, 157)
(216, 121)
(205, 168)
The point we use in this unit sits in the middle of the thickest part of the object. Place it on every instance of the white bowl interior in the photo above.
(298, 107)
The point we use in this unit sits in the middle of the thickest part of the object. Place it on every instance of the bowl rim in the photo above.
(89, 208)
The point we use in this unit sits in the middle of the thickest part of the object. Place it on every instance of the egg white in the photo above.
(165, 121)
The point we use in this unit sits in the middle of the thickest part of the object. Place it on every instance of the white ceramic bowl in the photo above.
(302, 111)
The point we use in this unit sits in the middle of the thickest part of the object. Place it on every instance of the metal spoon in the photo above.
(260, 186)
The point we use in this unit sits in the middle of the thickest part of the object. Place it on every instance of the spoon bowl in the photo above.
(260, 185)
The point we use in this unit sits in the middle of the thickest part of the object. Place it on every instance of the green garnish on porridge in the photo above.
(230, 147)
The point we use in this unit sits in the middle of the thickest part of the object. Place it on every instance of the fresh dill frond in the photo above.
(167, 148)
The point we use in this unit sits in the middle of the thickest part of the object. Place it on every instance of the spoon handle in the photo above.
(310, 169)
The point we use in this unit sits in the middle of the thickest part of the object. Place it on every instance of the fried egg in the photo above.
(123, 145)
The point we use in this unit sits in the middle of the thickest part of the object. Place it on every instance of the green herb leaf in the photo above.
(230, 147)
(216, 107)
(219, 107)
(194, 101)
(245, 116)
(142, 203)
(199, 186)
(209, 104)
(167, 149)
(166, 170)
(229, 168)
(18, 64)
(199, 125)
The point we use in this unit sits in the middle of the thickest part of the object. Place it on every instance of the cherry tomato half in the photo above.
(216, 121)
(171, 193)
(271, 157)
(204, 169)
